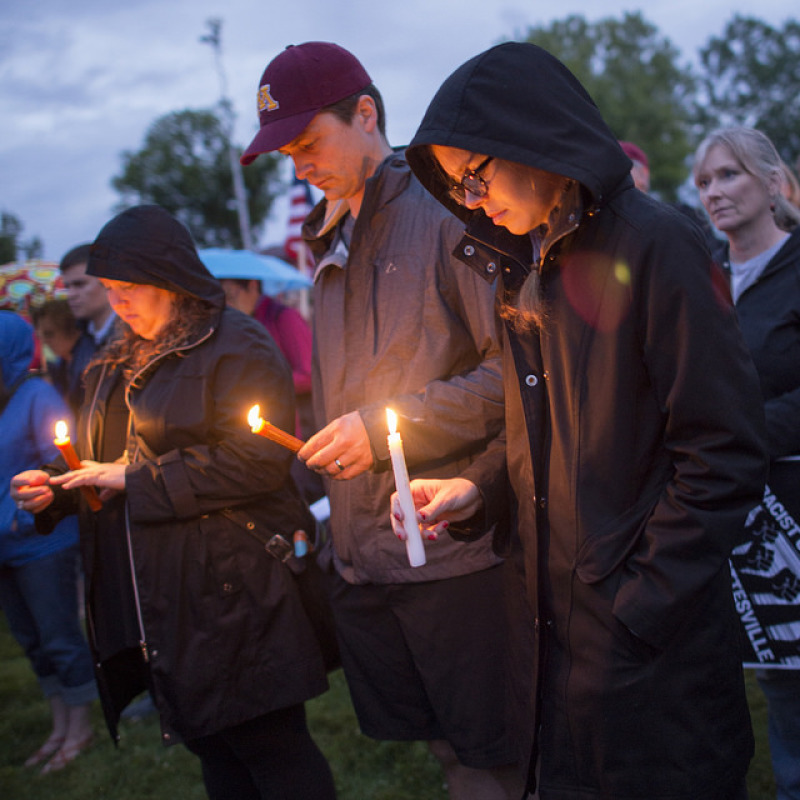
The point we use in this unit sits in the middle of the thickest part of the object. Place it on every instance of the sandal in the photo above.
(51, 746)
(67, 753)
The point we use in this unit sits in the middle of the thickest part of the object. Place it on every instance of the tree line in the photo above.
(748, 75)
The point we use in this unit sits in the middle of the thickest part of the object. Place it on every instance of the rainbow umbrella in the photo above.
(27, 284)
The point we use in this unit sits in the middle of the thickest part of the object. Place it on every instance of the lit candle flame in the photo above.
(391, 420)
(254, 416)
(61, 431)
(64, 445)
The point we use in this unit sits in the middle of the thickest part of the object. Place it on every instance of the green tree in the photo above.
(751, 76)
(633, 75)
(10, 229)
(184, 167)
(33, 248)
(10, 245)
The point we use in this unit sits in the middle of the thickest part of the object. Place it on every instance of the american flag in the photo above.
(300, 203)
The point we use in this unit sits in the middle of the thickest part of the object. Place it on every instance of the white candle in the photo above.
(414, 546)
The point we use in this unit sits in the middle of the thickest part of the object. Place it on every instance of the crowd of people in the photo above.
(592, 391)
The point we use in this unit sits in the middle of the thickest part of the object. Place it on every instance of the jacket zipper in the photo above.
(90, 414)
(132, 460)
(139, 619)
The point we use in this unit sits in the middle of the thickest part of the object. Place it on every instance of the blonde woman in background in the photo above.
(740, 178)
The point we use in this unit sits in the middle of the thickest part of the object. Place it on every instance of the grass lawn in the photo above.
(141, 768)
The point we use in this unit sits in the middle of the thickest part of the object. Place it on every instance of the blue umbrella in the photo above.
(276, 276)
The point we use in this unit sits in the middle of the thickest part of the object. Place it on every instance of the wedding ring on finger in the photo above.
(339, 464)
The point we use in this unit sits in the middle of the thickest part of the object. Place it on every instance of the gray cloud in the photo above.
(81, 82)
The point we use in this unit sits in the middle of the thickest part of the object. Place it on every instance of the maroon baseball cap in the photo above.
(296, 84)
(634, 152)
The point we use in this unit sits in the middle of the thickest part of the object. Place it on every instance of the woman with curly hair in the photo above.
(183, 598)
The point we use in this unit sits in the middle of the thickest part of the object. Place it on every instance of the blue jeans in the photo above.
(40, 601)
(782, 690)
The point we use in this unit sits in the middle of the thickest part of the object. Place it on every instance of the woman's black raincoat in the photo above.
(218, 619)
(634, 443)
(769, 316)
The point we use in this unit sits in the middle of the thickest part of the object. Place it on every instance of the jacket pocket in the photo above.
(220, 547)
(608, 547)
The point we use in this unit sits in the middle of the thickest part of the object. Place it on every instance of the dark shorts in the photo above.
(429, 661)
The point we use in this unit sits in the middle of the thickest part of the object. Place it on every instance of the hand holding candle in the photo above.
(269, 431)
(62, 442)
(414, 545)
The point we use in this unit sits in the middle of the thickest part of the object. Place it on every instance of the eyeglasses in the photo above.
(471, 182)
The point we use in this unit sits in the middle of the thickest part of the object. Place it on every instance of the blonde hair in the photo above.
(758, 156)
(791, 186)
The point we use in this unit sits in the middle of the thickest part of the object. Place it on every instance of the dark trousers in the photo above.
(271, 757)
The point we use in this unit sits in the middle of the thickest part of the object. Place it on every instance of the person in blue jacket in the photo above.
(38, 574)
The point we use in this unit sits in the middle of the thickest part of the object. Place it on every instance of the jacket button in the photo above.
(166, 737)
(250, 525)
(469, 250)
(542, 502)
(153, 653)
(531, 380)
(491, 268)
(227, 587)
(546, 375)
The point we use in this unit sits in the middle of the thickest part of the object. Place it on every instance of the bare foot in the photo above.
(68, 752)
(52, 745)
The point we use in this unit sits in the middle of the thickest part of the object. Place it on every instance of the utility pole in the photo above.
(214, 38)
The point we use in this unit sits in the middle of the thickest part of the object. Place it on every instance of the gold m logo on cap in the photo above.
(265, 100)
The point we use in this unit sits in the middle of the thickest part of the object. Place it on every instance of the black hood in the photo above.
(147, 245)
(518, 102)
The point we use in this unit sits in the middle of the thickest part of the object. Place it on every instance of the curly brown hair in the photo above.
(130, 352)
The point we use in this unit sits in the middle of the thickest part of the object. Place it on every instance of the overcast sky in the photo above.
(81, 81)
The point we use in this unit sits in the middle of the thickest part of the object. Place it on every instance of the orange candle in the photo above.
(63, 443)
(269, 431)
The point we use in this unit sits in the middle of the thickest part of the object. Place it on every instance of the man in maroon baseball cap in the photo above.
(298, 84)
(399, 323)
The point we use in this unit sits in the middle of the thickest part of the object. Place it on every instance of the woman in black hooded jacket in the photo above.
(212, 622)
(634, 434)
